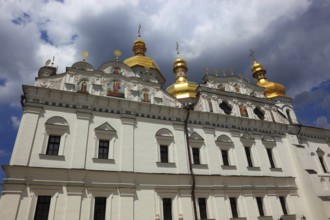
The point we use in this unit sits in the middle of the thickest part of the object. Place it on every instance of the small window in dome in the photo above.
(225, 107)
(259, 113)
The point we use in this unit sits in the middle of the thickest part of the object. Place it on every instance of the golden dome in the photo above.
(182, 88)
(139, 47)
(272, 89)
(139, 58)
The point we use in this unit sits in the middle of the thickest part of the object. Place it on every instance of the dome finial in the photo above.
(85, 55)
(177, 49)
(139, 47)
(139, 31)
(252, 54)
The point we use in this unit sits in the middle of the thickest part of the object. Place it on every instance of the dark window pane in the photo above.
(224, 154)
(196, 155)
(248, 156)
(233, 207)
(103, 149)
(53, 145)
(42, 208)
(99, 208)
(210, 105)
(322, 164)
(167, 209)
(259, 113)
(282, 200)
(164, 153)
(202, 208)
(270, 157)
(260, 206)
(225, 107)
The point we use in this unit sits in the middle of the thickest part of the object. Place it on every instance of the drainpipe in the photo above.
(193, 187)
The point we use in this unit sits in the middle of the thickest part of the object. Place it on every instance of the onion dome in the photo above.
(139, 58)
(182, 88)
(272, 89)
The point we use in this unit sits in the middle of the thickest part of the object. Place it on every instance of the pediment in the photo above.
(105, 127)
(247, 136)
(164, 132)
(195, 136)
(224, 139)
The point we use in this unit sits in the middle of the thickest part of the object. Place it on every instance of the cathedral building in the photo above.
(111, 143)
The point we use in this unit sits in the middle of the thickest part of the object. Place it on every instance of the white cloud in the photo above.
(15, 121)
(214, 29)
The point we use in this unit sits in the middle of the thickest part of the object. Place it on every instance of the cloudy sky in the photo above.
(291, 39)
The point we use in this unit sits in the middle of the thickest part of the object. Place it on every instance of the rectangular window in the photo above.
(202, 208)
(195, 152)
(164, 153)
(248, 156)
(99, 208)
(53, 144)
(233, 206)
(260, 206)
(103, 149)
(322, 164)
(225, 159)
(282, 201)
(167, 209)
(42, 209)
(270, 157)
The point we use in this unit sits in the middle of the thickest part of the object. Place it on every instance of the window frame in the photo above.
(260, 205)
(202, 213)
(234, 209)
(283, 203)
(249, 157)
(38, 205)
(104, 207)
(163, 208)
(163, 153)
(105, 132)
(51, 151)
(164, 137)
(103, 155)
(226, 144)
(55, 126)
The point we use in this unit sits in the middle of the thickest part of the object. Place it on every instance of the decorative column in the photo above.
(25, 136)
(126, 203)
(81, 140)
(127, 144)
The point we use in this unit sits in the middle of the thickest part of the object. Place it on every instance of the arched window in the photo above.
(197, 152)
(54, 142)
(226, 108)
(289, 116)
(226, 147)
(259, 113)
(165, 139)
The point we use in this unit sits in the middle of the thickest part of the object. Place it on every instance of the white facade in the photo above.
(140, 124)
